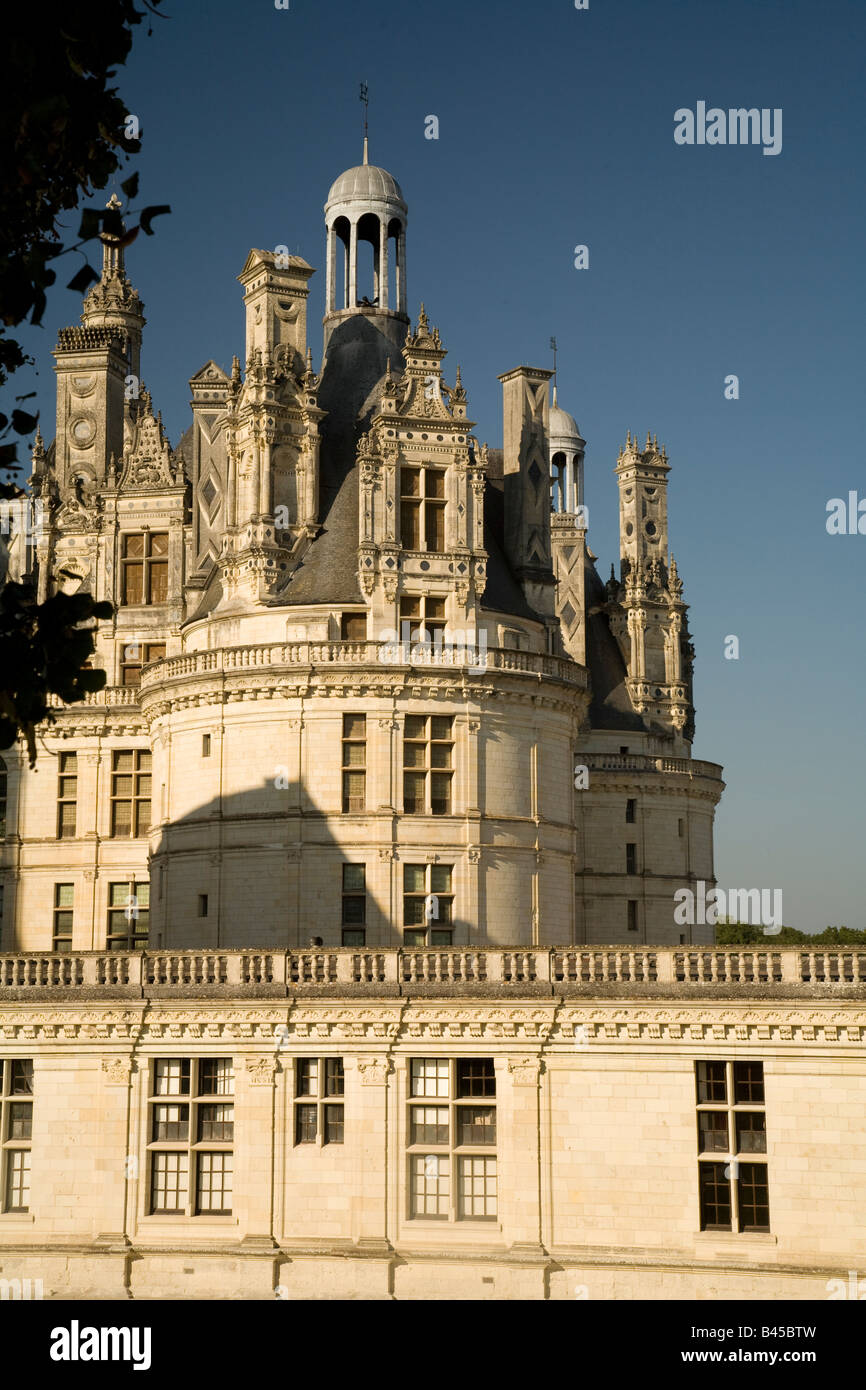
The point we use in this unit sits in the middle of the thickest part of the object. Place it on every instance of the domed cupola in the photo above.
(365, 207)
(567, 449)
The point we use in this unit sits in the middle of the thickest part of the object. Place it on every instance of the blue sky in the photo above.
(556, 129)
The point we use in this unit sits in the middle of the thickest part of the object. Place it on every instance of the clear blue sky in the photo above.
(556, 128)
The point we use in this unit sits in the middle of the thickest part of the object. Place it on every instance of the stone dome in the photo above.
(561, 424)
(366, 183)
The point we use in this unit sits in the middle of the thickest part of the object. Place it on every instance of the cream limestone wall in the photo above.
(596, 1124)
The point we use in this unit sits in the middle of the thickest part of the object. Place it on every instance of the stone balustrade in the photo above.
(313, 654)
(657, 970)
(647, 762)
(126, 695)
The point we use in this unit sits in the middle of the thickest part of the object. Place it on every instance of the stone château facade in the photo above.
(365, 686)
(364, 681)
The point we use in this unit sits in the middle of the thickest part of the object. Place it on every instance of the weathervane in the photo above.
(553, 350)
(366, 100)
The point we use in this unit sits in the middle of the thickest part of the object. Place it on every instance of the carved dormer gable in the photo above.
(149, 463)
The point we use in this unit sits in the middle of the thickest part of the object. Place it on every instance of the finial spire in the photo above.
(553, 350)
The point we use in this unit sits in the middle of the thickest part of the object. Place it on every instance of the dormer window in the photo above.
(422, 509)
(144, 566)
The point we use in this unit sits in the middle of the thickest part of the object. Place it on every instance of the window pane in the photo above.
(414, 878)
(711, 1082)
(749, 1083)
(354, 754)
(171, 1077)
(20, 1119)
(429, 1077)
(441, 727)
(415, 938)
(435, 483)
(713, 1131)
(214, 1185)
(415, 726)
(333, 1124)
(305, 1124)
(753, 1195)
(434, 527)
(334, 1077)
(410, 482)
(715, 1195)
(410, 525)
(440, 794)
(17, 1195)
(429, 1124)
(216, 1076)
(751, 1133)
(21, 1079)
(133, 583)
(170, 1122)
(430, 1174)
(354, 725)
(413, 916)
(216, 1122)
(440, 878)
(478, 1188)
(476, 1076)
(159, 543)
(354, 909)
(440, 755)
(169, 1178)
(415, 755)
(308, 1076)
(353, 878)
(158, 582)
(133, 546)
(64, 894)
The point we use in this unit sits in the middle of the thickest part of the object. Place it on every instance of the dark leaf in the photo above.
(148, 214)
(91, 221)
(130, 186)
(23, 422)
(84, 277)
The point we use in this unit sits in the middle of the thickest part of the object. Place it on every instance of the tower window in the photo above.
(205, 745)
(353, 627)
(428, 904)
(144, 568)
(354, 913)
(428, 747)
(128, 916)
(138, 654)
(354, 763)
(202, 904)
(130, 792)
(632, 914)
(422, 508)
(422, 618)
(682, 827)
(64, 897)
(630, 809)
(631, 858)
(67, 795)
(16, 1128)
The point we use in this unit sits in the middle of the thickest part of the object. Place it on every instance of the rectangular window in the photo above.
(734, 1191)
(144, 568)
(354, 895)
(134, 655)
(428, 905)
(630, 811)
(631, 858)
(128, 916)
(202, 904)
(354, 763)
(64, 897)
(354, 936)
(632, 914)
(16, 1129)
(682, 828)
(190, 1152)
(448, 1135)
(428, 756)
(422, 509)
(131, 793)
(205, 745)
(67, 795)
(318, 1120)
(422, 618)
(353, 627)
